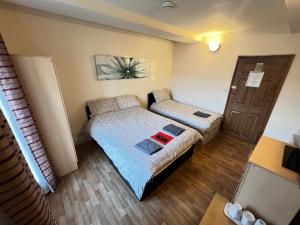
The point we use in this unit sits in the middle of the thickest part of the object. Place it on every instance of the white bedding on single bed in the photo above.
(118, 132)
(184, 114)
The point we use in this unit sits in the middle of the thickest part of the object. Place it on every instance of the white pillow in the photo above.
(127, 101)
(161, 95)
(103, 105)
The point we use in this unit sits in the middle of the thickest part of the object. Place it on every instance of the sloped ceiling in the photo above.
(202, 16)
(190, 21)
(293, 8)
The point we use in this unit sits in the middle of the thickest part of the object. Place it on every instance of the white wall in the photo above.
(72, 44)
(203, 78)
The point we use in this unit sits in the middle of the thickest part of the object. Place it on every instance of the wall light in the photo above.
(212, 39)
(213, 45)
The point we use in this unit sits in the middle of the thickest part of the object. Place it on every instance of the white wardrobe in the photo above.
(41, 86)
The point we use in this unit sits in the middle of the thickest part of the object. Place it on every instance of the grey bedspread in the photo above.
(118, 132)
(184, 114)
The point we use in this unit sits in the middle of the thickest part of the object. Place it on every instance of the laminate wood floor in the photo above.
(96, 194)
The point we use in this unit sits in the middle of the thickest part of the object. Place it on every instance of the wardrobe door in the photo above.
(40, 81)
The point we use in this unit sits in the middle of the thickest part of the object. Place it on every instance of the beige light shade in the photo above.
(213, 45)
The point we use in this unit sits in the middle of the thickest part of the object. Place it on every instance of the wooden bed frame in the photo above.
(159, 178)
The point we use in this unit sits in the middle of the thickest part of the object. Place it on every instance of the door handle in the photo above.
(234, 87)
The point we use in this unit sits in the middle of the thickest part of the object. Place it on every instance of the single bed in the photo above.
(118, 129)
(160, 102)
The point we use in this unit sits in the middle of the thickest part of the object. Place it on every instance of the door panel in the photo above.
(233, 120)
(241, 92)
(248, 108)
(249, 125)
(259, 95)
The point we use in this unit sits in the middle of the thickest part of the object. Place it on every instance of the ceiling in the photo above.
(202, 16)
(191, 20)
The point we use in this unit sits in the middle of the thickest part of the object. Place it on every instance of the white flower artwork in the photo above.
(117, 67)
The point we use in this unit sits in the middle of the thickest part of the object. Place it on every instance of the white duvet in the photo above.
(184, 114)
(118, 132)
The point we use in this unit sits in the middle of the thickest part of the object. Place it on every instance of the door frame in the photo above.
(266, 120)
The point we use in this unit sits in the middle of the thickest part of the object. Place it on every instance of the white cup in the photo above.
(247, 218)
(260, 222)
(235, 211)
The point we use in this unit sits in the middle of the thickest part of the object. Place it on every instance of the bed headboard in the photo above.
(88, 112)
(151, 99)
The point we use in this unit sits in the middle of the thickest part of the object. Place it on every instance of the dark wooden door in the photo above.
(250, 104)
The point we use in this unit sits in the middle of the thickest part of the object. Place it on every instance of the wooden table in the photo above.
(267, 188)
(268, 154)
(214, 214)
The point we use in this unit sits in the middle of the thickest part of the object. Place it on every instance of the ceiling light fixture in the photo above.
(212, 39)
(169, 4)
(213, 46)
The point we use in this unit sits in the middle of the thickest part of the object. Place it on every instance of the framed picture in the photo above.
(118, 67)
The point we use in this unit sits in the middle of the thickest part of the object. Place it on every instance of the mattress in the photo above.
(184, 113)
(118, 132)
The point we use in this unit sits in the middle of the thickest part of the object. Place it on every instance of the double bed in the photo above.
(118, 131)
(208, 124)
